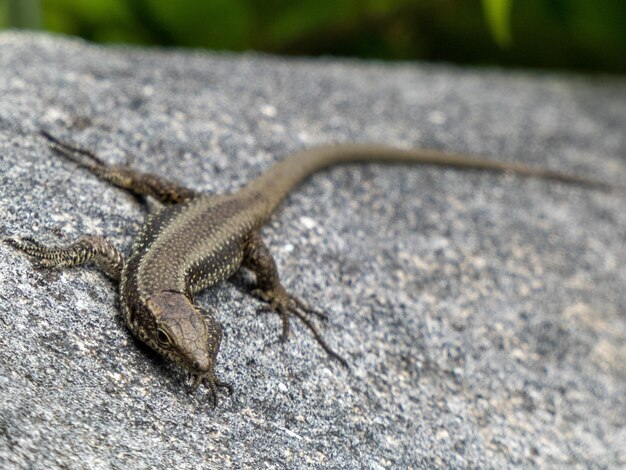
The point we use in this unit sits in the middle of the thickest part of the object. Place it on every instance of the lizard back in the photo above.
(187, 247)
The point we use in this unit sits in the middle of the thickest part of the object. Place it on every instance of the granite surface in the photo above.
(484, 316)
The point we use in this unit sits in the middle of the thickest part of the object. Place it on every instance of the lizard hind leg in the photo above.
(258, 259)
(82, 251)
(143, 184)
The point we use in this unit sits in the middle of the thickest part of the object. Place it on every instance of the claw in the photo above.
(12, 241)
(308, 309)
(285, 305)
(284, 336)
(213, 383)
(27, 245)
(213, 389)
(197, 379)
(226, 385)
(35, 250)
(24, 240)
(70, 151)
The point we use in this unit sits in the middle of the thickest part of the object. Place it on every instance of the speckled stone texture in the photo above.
(484, 316)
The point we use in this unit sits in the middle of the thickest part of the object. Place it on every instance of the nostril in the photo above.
(200, 362)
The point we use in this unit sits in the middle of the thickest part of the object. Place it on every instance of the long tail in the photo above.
(279, 180)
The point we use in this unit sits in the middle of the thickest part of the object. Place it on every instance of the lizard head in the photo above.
(186, 335)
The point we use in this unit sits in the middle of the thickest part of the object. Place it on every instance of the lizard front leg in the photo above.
(258, 259)
(82, 251)
(144, 184)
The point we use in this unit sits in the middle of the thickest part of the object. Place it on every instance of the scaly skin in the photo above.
(198, 240)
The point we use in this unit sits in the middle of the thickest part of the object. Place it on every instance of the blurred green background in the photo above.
(587, 35)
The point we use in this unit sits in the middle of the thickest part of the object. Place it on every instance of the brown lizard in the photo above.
(196, 240)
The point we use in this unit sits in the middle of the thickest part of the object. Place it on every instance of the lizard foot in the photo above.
(287, 305)
(213, 383)
(82, 251)
(41, 256)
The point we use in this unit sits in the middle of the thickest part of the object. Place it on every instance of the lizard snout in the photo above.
(201, 362)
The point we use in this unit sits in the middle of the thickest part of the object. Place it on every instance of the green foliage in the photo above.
(23, 13)
(96, 20)
(586, 34)
(498, 14)
(221, 24)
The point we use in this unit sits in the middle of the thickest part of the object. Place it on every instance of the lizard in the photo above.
(195, 240)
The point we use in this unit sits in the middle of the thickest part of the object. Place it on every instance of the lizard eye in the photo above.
(163, 338)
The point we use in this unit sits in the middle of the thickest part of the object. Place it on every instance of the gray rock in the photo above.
(484, 316)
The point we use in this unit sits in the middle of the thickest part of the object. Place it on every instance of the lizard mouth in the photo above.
(212, 382)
